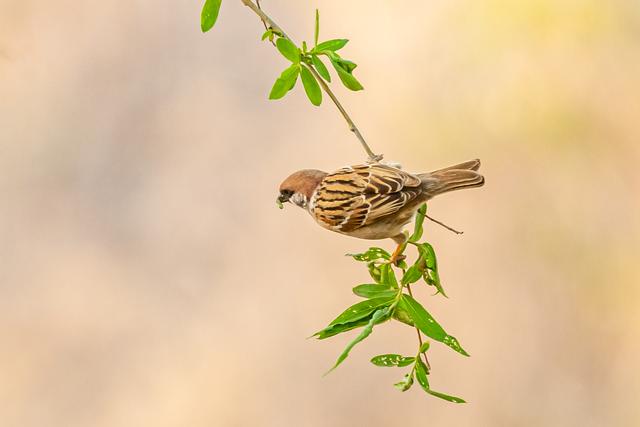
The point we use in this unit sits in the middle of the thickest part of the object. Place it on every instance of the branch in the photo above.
(264, 17)
(352, 126)
(373, 158)
(443, 224)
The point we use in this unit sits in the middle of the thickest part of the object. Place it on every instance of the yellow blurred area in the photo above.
(147, 277)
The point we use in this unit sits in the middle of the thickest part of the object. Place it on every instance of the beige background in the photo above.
(147, 278)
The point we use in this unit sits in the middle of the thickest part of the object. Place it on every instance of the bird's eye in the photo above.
(284, 197)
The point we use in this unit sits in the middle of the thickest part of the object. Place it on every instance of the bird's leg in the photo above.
(397, 256)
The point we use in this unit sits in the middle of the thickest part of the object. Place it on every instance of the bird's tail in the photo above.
(455, 177)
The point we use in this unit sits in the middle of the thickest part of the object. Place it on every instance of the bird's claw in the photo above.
(397, 260)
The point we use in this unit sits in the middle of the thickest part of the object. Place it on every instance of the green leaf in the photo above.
(374, 291)
(416, 271)
(321, 68)
(279, 89)
(347, 65)
(421, 318)
(311, 86)
(424, 347)
(266, 34)
(421, 374)
(417, 229)
(360, 310)
(285, 82)
(401, 315)
(209, 14)
(447, 397)
(406, 383)
(426, 250)
(374, 272)
(346, 78)
(413, 274)
(330, 331)
(288, 49)
(430, 275)
(331, 45)
(372, 254)
(378, 317)
(432, 278)
(392, 360)
(427, 324)
(355, 316)
(317, 30)
(388, 276)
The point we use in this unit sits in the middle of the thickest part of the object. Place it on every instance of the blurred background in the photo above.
(147, 277)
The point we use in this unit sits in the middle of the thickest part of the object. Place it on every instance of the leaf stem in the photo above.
(373, 158)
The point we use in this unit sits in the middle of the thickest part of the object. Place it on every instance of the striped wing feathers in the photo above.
(356, 196)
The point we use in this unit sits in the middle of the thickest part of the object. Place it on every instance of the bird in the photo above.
(374, 200)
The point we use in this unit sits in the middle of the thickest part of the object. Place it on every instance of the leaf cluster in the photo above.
(304, 62)
(388, 298)
(308, 64)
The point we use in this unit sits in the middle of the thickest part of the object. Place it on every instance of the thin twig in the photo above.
(264, 17)
(443, 224)
(373, 158)
(352, 126)
(266, 27)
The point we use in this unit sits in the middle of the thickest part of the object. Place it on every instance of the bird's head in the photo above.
(299, 187)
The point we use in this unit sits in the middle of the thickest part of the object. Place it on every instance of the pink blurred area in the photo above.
(147, 277)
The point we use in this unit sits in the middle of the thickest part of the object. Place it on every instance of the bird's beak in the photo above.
(279, 201)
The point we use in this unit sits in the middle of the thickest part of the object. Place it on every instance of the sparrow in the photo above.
(372, 201)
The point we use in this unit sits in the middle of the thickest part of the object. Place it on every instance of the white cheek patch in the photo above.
(314, 197)
(299, 199)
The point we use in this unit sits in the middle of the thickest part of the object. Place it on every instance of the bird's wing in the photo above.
(356, 196)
